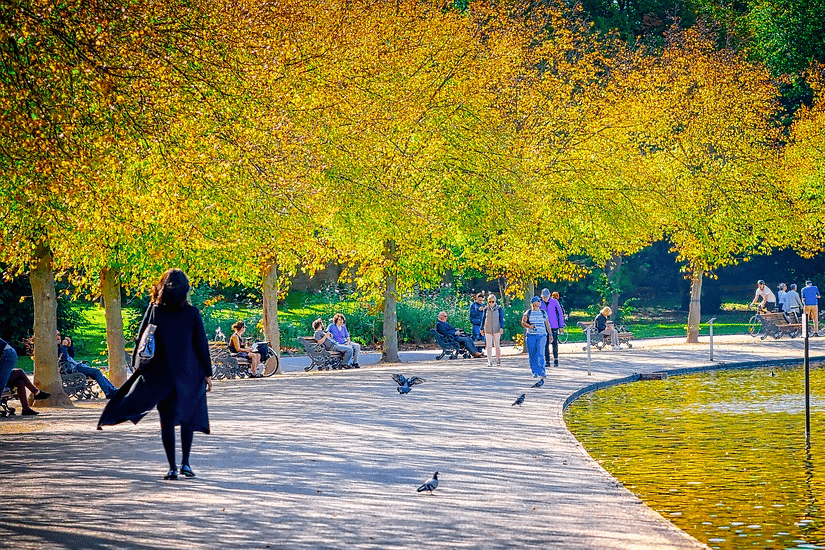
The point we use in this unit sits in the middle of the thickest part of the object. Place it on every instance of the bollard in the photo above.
(807, 380)
(589, 329)
(710, 324)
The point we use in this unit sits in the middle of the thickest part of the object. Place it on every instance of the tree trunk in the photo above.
(272, 330)
(46, 372)
(115, 343)
(611, 270)
(390, 351)
(695, 310)
(529, 292)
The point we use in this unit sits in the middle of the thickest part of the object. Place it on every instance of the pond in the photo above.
(721, 454)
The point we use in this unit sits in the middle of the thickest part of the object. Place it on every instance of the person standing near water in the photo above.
(178, 376)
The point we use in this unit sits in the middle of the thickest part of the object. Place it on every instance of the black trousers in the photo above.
(555, 346)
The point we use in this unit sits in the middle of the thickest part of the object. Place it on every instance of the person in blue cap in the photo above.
(538, 330)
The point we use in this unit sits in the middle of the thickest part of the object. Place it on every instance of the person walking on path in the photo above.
(492, 327)
(476, 314)
(810, 297)
(781, 291)
(538, 329)
(555, 315)
(340, 334)
(176, 379)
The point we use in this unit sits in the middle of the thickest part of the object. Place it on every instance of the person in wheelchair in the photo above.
(448, 331)
(69, 365)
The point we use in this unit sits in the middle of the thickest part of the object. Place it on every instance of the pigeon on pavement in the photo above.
(404, 383)
(538, 384)
(430, 485)
(519, 400)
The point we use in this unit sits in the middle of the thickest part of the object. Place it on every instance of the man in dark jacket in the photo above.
(446, 329)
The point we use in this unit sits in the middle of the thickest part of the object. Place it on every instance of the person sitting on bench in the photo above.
(605, 328)
(65, 357)
(236, 346)
(16, 379)
(325, 339)
(792, 306)
(446, 329)
(339, 332)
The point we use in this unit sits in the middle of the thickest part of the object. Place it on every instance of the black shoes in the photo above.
(29, 412)
(186, 470)
(42, 395)
(172, 474)
(356, 366)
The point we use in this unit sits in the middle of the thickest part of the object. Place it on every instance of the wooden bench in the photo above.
(320, 357)
(775, 324)
(600, 341)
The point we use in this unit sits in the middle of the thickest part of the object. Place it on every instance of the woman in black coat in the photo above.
(178, 376)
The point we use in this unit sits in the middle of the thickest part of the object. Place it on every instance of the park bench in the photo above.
(320, 357)
(226, 364)
(5, 408)
(600, 341)
(77, 385)
(775, 324)
(451, 346)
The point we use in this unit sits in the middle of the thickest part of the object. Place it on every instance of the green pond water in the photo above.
(721, 454)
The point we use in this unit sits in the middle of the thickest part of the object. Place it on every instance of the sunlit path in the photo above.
(332, 460)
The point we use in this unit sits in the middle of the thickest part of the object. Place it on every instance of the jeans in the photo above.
(536, 344)
(7, 360)
(346, 350)
(97, 376)
(468, 343)
(356, 351)
(477, 333)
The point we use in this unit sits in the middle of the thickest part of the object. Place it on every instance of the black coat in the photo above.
(176, 376)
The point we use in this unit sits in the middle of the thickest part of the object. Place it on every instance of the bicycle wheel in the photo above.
(272, 365)
(755, 326)
(563, 335)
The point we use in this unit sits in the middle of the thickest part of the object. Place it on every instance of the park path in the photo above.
(332, 460)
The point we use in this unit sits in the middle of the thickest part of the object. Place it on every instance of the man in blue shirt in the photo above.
(810, 297)
(476, 314)
(446, 329)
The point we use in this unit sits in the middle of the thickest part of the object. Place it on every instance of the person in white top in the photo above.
(768, 299)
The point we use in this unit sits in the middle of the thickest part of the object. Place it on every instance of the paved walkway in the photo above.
(332, 460)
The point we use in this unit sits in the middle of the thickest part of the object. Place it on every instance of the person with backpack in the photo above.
(538, 331)
(555, 315)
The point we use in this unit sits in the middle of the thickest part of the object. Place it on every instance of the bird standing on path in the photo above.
(518, 400)
(538, 384)
(404, 383)
(430, 485)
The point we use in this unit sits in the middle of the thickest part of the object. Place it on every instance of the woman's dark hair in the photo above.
(317, 323)
(238, 326)
(172, 288)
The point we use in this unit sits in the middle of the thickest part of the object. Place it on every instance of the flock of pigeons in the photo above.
(405, 385)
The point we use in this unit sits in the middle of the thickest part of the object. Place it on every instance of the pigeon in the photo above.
(519, 400)
(405, 384)
(430, 485)
(538, 384)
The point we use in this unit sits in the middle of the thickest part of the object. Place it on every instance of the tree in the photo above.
(703, 128)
